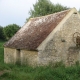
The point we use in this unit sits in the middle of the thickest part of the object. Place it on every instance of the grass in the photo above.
(17, 72)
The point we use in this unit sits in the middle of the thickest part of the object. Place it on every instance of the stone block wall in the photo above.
(29, 57)
(20, 56)
(57, 49)
(9, 55)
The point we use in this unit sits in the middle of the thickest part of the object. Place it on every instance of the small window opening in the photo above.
(18, 50)
(75, 12)
(63, 40)
(78, 41)
(18, 56)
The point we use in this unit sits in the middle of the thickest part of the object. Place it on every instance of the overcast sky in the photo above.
(16, 11)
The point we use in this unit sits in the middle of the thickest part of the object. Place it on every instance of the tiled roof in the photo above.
(31, 35)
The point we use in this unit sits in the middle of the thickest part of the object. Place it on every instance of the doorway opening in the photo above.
(18, 59)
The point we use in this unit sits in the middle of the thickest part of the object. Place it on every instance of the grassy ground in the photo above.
(18, 72)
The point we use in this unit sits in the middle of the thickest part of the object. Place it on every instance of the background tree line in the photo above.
(40, 8)
(8, 31)
(45, 7)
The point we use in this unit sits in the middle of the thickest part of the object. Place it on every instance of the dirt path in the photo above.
(1, 73)
(4, 71)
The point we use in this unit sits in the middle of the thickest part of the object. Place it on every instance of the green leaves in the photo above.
(10, 30)
(45, 7)
(1, 33)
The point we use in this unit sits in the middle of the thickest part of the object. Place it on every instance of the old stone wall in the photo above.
(9, 55)
(71, 26)
(20, 56)
(29, 57)
(57, 49)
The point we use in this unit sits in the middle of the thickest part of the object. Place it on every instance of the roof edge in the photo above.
(49, 14)
(49, 37)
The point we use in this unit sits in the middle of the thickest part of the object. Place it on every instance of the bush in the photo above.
(10, 30)
(2, 37)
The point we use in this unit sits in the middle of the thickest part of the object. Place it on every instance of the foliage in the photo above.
(10, 30)
(45, 7)
(2, 37)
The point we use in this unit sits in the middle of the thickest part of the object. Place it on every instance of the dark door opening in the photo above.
(18, 59)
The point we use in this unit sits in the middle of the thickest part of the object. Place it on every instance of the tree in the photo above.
(45, 7)
(10, 30)
(2, 37)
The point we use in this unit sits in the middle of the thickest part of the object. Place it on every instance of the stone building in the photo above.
(50, 38)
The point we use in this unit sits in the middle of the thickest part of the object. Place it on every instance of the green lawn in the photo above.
(18, 72)
(1, 44)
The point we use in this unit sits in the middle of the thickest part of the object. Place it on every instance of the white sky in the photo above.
(16, 11)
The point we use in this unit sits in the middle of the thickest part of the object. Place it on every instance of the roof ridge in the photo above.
(51, 14)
